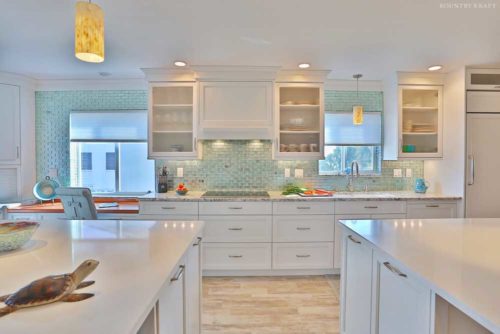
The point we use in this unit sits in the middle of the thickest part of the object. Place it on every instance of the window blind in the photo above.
(339, 129)
(109, 126)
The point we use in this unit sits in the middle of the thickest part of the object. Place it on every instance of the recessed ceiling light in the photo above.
(435, 67)
(304, 65)
(180, 63)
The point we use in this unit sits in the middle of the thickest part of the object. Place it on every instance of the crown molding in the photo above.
(17, 79)
(350, 85)
(235, 73)
(420, 78)
(166, 74)
(302, 75)
(87, 84)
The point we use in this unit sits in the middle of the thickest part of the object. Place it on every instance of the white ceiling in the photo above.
(373, 37)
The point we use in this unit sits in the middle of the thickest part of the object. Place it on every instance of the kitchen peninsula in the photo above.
(148, 275)
(413, 276)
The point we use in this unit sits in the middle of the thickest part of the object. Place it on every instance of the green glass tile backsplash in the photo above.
(225, 165)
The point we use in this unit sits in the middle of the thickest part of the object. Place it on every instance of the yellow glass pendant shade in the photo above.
(89, 32)
(357, 115)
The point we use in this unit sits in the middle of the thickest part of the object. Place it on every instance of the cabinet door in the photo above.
(430, 210)
(420, 121)
(403, 304)
(193, 288)
(171, 304)
(9, 114)
(337, 253)
(172, 121)
(356, 286)
(10, 183)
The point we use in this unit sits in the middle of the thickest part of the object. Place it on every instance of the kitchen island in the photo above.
(144, 267)
(421, 276)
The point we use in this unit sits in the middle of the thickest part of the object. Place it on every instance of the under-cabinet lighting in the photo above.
(304, 65)
(180, 63)
(435, 67)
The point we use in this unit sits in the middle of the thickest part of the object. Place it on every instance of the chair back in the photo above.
(77, 203)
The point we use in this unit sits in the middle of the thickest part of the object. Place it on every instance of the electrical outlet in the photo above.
(287, 172)
(408, 172)
(299, 173)
(180, 172)
(398, 172)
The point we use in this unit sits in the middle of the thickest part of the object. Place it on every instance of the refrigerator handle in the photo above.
(471, 170)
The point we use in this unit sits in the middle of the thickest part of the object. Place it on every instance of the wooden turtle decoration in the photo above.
(51, 289)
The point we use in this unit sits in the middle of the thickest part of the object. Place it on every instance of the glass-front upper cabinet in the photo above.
(299, 121)
(420, 121)
(172, 121)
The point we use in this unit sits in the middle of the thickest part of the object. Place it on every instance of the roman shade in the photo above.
(340, 131)
(109, 126)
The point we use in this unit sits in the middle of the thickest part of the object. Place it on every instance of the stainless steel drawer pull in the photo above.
(178, 275)
(394, 270)
(235, 256)
(235, 229)
(303, 256)
(198, 241)
(168, 207)
(432, 206)
(235, 207)
(303, 228)
(371, 207)
(354, 240)
(303, 207)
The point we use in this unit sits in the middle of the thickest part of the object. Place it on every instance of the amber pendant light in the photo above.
(357, 110)
(89, 32)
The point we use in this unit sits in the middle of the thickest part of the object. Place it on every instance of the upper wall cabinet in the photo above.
(10, 116)
(483, 79)
(172, 121)
(299, 125)
(420, 121)
(236, 110)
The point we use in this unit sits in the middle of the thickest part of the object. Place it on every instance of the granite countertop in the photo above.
(459, 259)
(276, 196)
(136, 258)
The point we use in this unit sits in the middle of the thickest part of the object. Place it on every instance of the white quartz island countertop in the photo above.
(458, 258)
(136, 258)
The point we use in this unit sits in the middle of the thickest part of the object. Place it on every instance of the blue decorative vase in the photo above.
(421, 186)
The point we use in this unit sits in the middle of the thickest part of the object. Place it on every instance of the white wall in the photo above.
(28, 155)
(447, 176)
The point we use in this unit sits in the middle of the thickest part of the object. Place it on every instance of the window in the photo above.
(86, 160)
(108, 152)
(345, 143)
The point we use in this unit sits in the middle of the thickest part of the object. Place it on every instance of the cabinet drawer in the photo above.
(303, 208)
(237, 228)
(229, 256)
(431, 209)
(303, 255)
(235, 208)
(168, 208)
(303, 229)
(369, 207)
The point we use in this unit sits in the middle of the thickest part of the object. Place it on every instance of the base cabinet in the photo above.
(171, 303)
(402, 303)
(357, 286)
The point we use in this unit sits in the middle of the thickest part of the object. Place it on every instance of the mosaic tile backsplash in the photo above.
(225, 165)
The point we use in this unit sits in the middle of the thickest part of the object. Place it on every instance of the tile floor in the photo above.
(262, 305)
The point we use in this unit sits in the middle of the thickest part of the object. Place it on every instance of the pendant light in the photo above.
(89, 32)
(357, 110)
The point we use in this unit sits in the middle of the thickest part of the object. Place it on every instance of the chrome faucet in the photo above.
(350, 178)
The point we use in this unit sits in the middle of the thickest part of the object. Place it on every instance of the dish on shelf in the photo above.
(14, 235)
(296, 122)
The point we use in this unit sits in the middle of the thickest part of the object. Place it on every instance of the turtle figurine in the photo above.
(51, 289)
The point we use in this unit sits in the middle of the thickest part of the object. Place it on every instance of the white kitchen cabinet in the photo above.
(314, 228)
(299, 121)
(237, 256)
(431, 209)
(171, 303)
(172, 208)
(10, 116)
(236, 110)
(402, 304)
(303, 255)
(193, 288)
(172, 121)
(420, 121)
(356, 286)
(483, 79)
(238, 228)
(10, 183)
(338, 236)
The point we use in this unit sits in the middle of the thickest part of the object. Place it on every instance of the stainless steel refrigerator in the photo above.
(483, 155)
